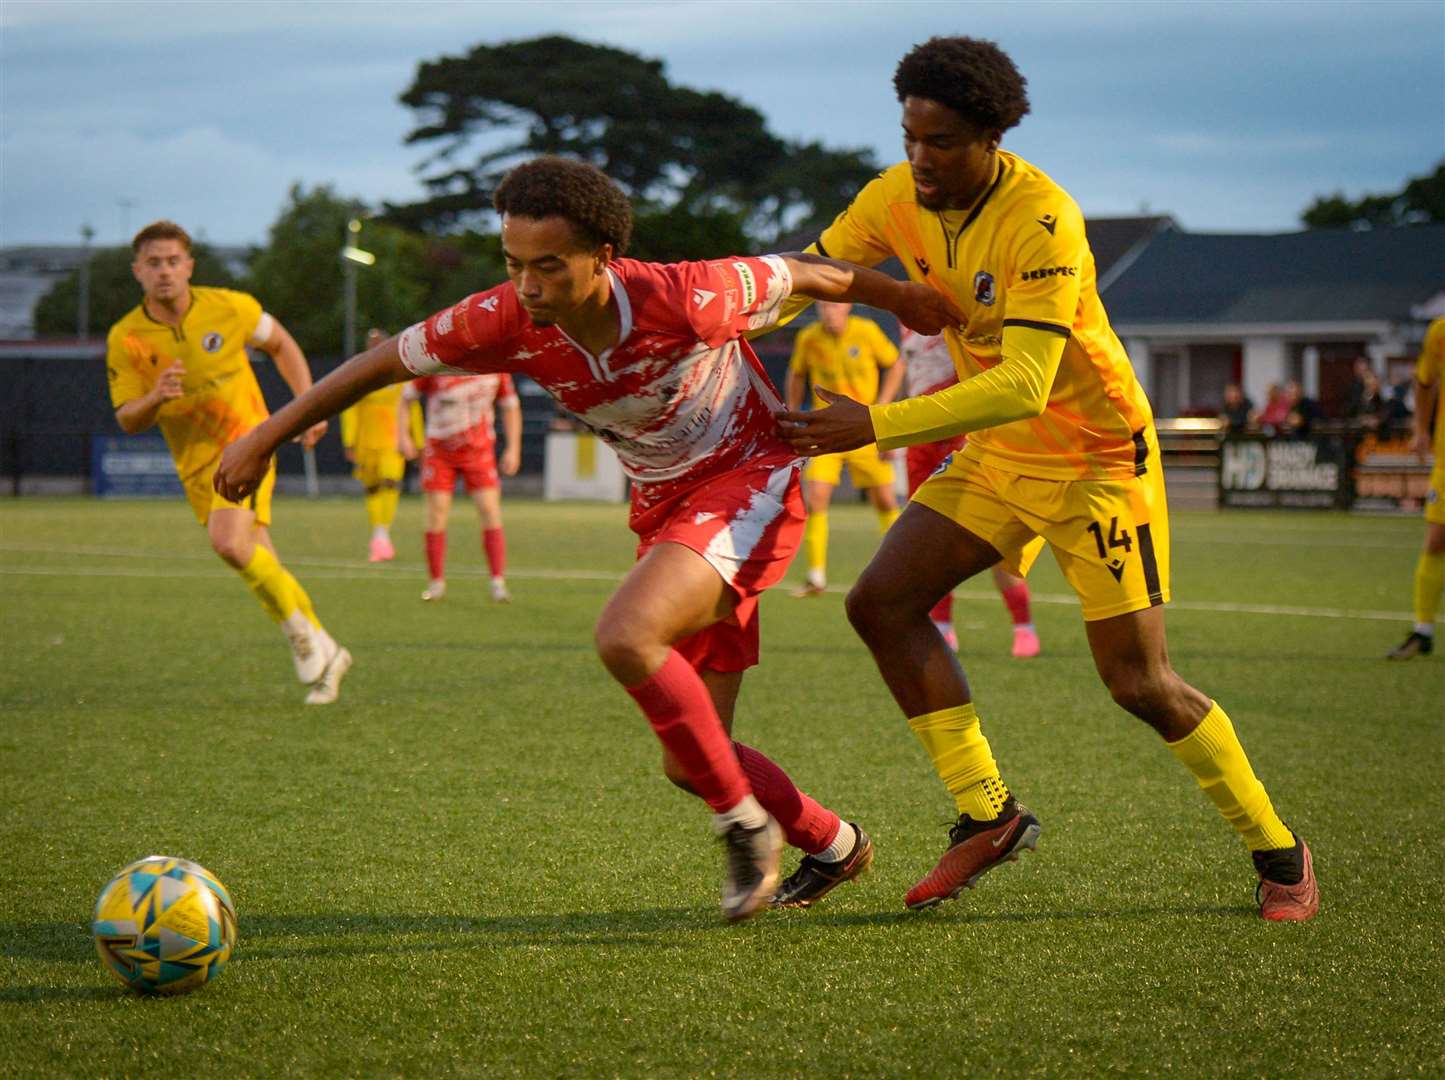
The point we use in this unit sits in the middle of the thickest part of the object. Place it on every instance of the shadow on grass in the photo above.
(342, 933)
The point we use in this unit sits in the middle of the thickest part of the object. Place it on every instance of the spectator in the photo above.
(1357, 386)
(1237, 411)
(1276, 411)
(1402, 406)
(1368, 410)
(1303, 411)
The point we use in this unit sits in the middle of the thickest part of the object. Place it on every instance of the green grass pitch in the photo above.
(471, 865)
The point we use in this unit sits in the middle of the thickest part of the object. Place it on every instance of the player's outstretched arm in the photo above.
(291, 363)
(243, 463)
(920, 308)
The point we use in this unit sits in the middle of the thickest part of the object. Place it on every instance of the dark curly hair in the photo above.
(974, 78)
(581, 193)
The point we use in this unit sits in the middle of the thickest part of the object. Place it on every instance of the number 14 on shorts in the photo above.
(1116, 539)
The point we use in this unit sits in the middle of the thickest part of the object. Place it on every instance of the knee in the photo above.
(1142, 693)
(623, 647)
(235, 551)
(868, 609)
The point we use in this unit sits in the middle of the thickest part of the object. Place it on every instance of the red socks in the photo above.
(494, 543)
(806, 824)
(1016, 599)
(436, 554)
(943, 610)
(680, 710)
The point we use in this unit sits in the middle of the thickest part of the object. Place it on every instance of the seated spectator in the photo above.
(1303, 411)
(1238, 410)
(1276, 411)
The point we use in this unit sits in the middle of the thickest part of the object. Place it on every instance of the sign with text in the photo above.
(1389, 477)
(1289, 474)
(133, 467)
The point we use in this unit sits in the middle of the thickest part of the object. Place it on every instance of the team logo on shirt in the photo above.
(702, 298)
(1048, 221)
(1048, 272)
(983, 288)
(489, 304)
(212, 342)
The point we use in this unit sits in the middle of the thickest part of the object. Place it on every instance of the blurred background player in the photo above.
(842, 353)
(461, 440)
(927, 367)
(371, 437)
(179, 359)
(1430, 567)
(650, 357)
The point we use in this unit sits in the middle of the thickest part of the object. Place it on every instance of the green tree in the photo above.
(702, 169)
(113, 291)
(1421, 200)
(299, 275)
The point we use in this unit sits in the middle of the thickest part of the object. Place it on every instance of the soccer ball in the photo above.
(164, 925)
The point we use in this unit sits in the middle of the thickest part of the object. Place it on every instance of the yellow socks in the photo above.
(381, 505)
(279, 593)
(963, 760)
(1429, 581)
(886, 518)
(815, 542)
(1213, 754)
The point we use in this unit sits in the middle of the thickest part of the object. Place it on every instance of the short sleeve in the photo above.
(249, 316)
(471, 337)
(858, 234)
(728, 297)
(884, 351)
(798, 364)
(1046, 260)
(125, 359)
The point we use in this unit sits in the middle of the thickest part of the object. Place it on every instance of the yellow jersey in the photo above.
(371, 424)
(1428, 371)
(1018, 257)
(221, 400)
(845, 363)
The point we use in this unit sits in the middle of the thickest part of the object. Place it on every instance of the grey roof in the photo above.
(1111, 239)
(1324, 275)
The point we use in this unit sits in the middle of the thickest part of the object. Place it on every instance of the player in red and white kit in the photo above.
(461, 441)
(929, 368)
(650, 358)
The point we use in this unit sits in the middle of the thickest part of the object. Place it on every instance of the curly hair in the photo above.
(574, 190)
(161, 230)
(974, 78)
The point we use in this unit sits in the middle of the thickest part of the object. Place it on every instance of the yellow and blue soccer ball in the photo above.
(164, 925)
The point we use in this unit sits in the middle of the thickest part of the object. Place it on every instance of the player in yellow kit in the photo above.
(841, 354)
(1430, 567)
(372, 439)
(1061, 450)
(179, 360)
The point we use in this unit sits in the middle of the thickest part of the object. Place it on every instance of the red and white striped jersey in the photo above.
(930, 365)
(460, 409)
(680, 397)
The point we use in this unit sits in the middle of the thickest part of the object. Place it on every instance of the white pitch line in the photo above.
(364, 572)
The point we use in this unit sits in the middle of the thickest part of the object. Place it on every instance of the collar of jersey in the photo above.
(624, 317)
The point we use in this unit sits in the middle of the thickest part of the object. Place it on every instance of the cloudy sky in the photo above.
(1231, 116)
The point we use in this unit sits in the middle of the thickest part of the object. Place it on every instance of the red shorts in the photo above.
(747, 524)
(476, 464)
(924, 460)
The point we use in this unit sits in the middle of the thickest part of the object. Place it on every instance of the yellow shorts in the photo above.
(866, 467)
(204, 498)
(375, 467)
(1110, 537)
(1435, 497)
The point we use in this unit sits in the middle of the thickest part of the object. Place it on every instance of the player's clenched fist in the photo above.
(168, 385)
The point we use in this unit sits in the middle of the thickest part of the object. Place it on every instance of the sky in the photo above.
(1231, 117)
